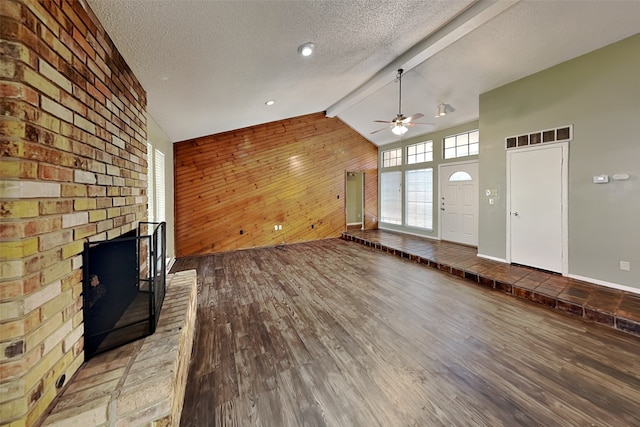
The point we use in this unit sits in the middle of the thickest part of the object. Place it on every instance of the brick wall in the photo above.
(73, 168)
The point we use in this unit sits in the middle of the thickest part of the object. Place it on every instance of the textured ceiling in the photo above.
(209, 66)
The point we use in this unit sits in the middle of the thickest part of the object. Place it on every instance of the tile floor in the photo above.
(611, 307)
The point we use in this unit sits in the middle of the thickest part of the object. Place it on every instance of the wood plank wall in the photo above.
(291, 172)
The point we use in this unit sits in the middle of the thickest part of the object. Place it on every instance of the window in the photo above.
(420, 152)
(159, 187)
(391, 197)
(392, 158)
(419, 197)
(460, 176)
(462, 145)
(155, 185)
(150, 191)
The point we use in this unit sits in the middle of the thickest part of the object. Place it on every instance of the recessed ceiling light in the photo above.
(270, 102)
(306, 49)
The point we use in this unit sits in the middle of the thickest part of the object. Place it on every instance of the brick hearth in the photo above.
(141, 383)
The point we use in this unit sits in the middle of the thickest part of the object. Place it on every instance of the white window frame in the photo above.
(150, 187)
(391, 197)
(156, 189)
(415, 151)
(389, 161)
(461, 145)
(160, 190)
(413, 203)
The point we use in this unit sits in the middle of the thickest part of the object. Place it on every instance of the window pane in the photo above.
(462, 139)
(392, 158)
(420, 152)
(474, 136)
(150, 191)
(450, 153)
(391, 197)
(419, 198)
(464, 144)
(460, 176)
(160, 190)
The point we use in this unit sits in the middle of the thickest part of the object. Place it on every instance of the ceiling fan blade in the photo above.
(380, 130)
(382, 121)
(415, 116)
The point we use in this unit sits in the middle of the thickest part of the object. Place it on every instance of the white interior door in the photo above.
(536, 183)
(459, 203)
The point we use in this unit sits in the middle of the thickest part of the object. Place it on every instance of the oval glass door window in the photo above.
(460, 176)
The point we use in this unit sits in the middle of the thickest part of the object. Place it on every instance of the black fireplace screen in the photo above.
(123, 287)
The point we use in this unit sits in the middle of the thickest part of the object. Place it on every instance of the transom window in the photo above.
(420, 152)
(462, 145)
(392, 158)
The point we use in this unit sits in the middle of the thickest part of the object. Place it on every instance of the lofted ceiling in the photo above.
(210, 66)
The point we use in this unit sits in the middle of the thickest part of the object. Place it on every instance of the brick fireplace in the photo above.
(73, 169)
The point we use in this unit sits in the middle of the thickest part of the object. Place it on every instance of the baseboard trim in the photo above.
(604, 283)
(170, 262)
(492, 258)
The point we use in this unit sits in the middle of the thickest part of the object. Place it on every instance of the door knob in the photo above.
(516, 214)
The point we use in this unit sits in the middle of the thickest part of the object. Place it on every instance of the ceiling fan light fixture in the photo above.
(400, 125)
(306, 49)
(399, 129)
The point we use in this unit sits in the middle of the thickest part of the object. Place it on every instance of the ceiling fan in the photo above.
(400, 124)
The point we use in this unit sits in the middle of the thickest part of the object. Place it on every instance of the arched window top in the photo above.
(460, 176)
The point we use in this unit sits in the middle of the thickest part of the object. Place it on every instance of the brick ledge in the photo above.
(142, 383)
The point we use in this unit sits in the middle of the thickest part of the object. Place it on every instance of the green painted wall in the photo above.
(161, 141)
(599, 93)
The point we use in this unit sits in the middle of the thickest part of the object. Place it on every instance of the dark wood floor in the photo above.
(331, 333)
(612, 307)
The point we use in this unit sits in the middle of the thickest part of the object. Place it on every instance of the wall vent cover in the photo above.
(559, 134)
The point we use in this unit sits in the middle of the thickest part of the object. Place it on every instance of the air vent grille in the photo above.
(560, 134)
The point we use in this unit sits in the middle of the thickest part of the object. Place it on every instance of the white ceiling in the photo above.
(210, 66)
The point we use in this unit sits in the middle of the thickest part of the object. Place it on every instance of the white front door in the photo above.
(536, 192)
(459, 203)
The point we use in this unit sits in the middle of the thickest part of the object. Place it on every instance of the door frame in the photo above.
(346, 199)
(564, 199)
(440, 166)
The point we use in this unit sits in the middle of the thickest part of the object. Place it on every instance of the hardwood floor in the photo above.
(331, 333)
(608, 306)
